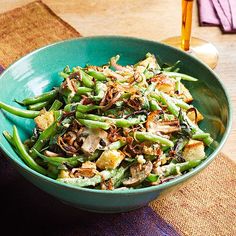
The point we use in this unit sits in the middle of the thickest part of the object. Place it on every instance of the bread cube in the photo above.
(110, 159)
(44, 120)
(194, 150)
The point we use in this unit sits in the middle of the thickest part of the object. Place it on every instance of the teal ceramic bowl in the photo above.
(38, 72)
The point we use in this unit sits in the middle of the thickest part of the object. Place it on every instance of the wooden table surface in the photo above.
(150, 19)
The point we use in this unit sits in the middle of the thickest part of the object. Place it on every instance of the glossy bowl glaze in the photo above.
(38, 72)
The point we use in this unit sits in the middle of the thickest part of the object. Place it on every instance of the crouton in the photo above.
(191, 116)
(44, 120)
(110, 159)
(165, 84)
(194, 150)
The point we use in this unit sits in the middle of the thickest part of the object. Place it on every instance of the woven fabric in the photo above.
(205, 206)
(27, 28)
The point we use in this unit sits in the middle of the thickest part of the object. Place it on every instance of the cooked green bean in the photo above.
(25, 155)
(63, 75)
(8, 137)
(178, 85)
(57, 161)
(92, 124)
(154, 106)
(83, 182)
(118, 122)
(83, 90)
(45, 135)
(56, 105)
(145, 136)
(171, 105)
(182, 76)
(97, 75)
(100, 90)
(86, 79)
(119, 176)
(41, 98)
(116, 145)
(38, 106)
(173, 169)
(19, 112)
(87, 108)
(201, 136)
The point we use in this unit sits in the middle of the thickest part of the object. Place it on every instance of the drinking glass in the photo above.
(200, 48)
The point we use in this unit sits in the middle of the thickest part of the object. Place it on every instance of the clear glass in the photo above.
(200, 48)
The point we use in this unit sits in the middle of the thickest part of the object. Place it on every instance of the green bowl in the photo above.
(38, 72)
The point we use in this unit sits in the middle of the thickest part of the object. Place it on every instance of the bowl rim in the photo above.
(162, 186)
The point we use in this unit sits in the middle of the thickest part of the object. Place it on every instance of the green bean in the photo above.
(154, 106)
(118, 178)
(118, 122)
(84, 182)
(83, 90)
(19, 112)
(100, 90)
(145, 136)
(97, 75)
(45, 135)
(150, 88)
(8, 137)
(56, 105)
(25, 155)
(57, 161)
(86, 79)
(152, 178)
(173, 169)
(200, 136)
(130, 122)
(175, 111)
(171, 105)
(86, 108)
(173, 67)
(63, 75)
(180, 103)
(116, 145)
(182, 76)
(174, 101)
(80, 108)
(38, 106)
(92, 124)
(41, 98)
(178, 85)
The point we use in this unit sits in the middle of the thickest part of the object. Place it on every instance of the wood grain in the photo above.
(150, 19)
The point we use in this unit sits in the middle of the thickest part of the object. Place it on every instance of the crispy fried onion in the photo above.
(71, 141)
(134, 102)
(70, 84)
(113, 63)
(85, 100)
(114, 134)
(132, 148)
(155, 125)
(112, 96)
(88, 169)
